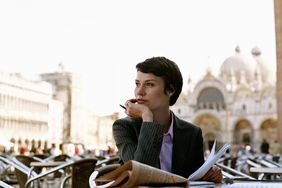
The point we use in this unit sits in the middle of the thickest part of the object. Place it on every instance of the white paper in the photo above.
(210, 161)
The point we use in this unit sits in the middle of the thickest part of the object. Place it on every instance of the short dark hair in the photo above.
(168, 71)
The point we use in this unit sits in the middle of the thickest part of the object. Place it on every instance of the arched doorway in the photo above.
(268, 130)
(209, 137)
(210, 126)
(243, 132)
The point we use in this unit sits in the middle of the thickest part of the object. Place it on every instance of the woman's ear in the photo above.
(171, 91)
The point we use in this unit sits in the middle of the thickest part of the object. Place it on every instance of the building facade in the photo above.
(27, 111)
(99, 135)
(67, 88)
(238, 106)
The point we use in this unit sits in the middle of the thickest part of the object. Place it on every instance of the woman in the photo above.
(151, 133)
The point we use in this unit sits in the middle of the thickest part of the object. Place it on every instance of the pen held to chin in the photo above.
(123, 106)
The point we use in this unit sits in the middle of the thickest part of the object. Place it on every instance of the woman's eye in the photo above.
(149, 85)
(137, 84)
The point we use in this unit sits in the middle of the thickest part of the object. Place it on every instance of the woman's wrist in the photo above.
(147, 116)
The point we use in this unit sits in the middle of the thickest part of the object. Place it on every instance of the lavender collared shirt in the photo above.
(166, 149)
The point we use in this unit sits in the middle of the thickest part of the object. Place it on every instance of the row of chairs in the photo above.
(78, 172)
(72, 172)
(240, 168)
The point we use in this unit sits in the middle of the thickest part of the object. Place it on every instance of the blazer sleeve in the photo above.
(142, 144)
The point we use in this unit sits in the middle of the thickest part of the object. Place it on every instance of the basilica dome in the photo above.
(237, 68)
(262, 70)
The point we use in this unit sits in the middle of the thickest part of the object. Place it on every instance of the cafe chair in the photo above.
(40, 157)
(5, 185)
(107, 161)
(276, 158)
(69, 166)
(80, 173)
(251, 162)
(7, 171)
(23, 169)
(46, 173)
(60, 157)
(100, 171)
(274, 163)
(233, 174)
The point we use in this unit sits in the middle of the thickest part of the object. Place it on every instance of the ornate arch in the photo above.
(210, 126)
(243, 132)
(268, 130)
(210, 98)
(203, 84)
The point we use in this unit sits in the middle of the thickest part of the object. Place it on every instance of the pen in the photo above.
(123, 106)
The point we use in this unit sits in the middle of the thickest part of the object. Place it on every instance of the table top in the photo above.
(252, 184)
(268, 170)
(47, 164)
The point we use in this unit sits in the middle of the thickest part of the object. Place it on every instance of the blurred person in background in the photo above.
(264, 147)
(54, 150)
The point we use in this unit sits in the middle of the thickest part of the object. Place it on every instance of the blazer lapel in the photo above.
(181, 146)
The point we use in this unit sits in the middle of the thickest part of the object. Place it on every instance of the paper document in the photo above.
(133, 173)
(210, 161)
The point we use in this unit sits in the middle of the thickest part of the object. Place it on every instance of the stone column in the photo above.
(257, 139)
(278, 31)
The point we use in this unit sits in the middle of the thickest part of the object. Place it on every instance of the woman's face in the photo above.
(149, 91)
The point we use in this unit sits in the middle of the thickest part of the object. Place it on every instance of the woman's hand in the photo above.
(135, 110)
(214, 175)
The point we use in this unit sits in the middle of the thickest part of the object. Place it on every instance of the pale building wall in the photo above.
(55, 133)
(67, 87)
(99, 133)
(24, 109)
(278, 31)
(77, 110)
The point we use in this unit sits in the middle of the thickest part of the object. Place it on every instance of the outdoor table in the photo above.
(46, 164)
(267, 170)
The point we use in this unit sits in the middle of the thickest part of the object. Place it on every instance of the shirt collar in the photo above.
(170, 130)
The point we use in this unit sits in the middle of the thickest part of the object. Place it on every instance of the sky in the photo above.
(104, 40)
